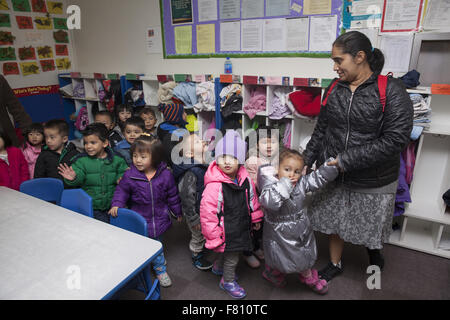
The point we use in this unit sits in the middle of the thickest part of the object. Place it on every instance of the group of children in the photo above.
(228, 209)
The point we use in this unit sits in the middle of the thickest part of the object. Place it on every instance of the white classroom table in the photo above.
(51, 253)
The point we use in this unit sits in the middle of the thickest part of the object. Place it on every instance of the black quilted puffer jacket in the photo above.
(366, 140)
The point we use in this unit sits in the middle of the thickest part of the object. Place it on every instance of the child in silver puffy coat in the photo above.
(288, 238)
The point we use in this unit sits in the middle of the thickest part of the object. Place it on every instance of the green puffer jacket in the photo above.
(98, 177)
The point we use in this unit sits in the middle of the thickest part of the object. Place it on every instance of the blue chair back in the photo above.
(47, 189)
(77, 200)
(130, 220)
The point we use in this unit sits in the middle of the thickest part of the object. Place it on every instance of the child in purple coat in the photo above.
(149, 188)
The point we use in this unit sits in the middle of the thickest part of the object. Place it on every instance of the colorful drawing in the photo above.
(45, 52)
(60, 23)
(61, 50)
(63, 63)
(38, 6)
(55, 7)
(61, 36)
(27, 53)
(43, 23)
(4, 20)
(21, 5)
(4, 5)
(47, 65)
(29, 68)
(24, 22)
(6, 38)
(10, 68)
(7, 53)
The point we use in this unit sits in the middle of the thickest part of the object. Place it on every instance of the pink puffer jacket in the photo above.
(212, 204)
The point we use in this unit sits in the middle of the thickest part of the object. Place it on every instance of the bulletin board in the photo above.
(201, 28)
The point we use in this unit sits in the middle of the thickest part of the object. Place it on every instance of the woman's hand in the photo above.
(66, 172)
(113, 211)
(335, 163)
(179, 219)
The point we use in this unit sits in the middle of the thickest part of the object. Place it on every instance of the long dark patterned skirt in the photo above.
(359, 218)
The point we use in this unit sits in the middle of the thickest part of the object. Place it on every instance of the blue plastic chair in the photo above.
(77, 200)
(134, 222)
(47, 189)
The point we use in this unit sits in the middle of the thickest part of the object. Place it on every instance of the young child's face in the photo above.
(268, 147)
(131, 133)
(54, 140)
(94, 146)
(101, 118)
(35, 138)
(195, 147)
(142, 160)
(124, 115)
(229, 165)
(291, 167)
(149, 120)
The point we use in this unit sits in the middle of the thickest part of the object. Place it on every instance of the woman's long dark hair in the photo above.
(354, 41)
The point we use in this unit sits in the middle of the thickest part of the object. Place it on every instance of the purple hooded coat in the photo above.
(152, 199)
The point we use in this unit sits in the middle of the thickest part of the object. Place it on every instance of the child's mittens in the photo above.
(284, 187)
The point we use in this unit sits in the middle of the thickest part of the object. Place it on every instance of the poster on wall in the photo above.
(24, 22)
(7, 53)
(5, 20)
(6, 38)
(401, 15)
(27, 53)
(29, 68)
(181, 11)
(55, 7)
(10, 68)
(43, 23)
(47, 65)
(61, 50)
(38, 6)
(153, 40)
(4, 5)
(45, 52)
(21, 5)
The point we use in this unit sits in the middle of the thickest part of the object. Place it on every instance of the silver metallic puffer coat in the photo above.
(288, 238)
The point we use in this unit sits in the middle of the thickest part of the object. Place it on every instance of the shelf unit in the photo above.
(426, 221)
(72, 104)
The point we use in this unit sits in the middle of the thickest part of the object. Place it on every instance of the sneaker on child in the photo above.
(164, 279)
(199, 261)
(233, 289)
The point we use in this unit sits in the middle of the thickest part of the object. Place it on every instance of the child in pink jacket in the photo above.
(229, 210)
(34, 140)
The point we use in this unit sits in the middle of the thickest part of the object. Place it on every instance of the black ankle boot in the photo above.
(376, 258)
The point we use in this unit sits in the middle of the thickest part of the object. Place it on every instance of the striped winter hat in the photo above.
(173, 112)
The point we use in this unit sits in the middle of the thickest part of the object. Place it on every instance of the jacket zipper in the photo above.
(348, 128)
(153, 209)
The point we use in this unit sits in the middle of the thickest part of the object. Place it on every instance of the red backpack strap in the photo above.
(324, 102)
(382, 84)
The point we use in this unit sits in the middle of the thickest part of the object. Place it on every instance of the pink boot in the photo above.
(319, 286)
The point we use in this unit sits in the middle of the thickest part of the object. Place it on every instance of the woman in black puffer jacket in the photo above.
(366, 142)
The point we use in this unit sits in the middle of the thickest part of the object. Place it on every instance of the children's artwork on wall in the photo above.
(10, 68)
(60, 23)
(63, 63)
(7, 53)
(6, 38)
(47, 65)
(38, 6)
(55, 7)
(61, 36)
(45, 52)
(24, 22)
(61, 50)
(21, 5)
(29, 68)
(43, 23)
(4, 5)
(5, 21)
(27, 53)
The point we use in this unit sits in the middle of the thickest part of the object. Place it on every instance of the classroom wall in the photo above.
(112, 40)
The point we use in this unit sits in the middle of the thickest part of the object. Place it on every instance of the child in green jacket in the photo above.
(97, 171)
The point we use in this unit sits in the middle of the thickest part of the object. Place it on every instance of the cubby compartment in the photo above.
(444, 241)
(90, 90)
(302, 130)
(274, 93)
(440, 114)
(78, 88)
(249, 91)
(431, 179)
(150, 87)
